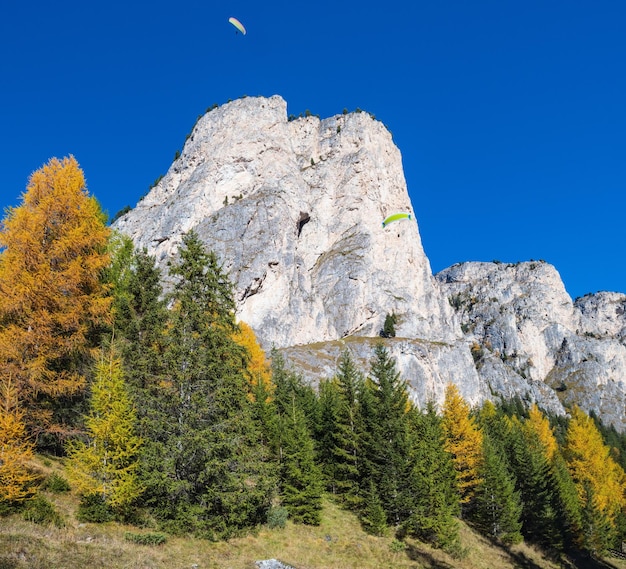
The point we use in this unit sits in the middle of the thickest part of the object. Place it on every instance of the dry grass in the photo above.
(338, 543)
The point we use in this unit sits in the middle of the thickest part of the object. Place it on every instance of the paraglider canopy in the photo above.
(235, 22)
(395, 217)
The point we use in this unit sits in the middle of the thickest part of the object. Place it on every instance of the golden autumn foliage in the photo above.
(15, 448)
(51, 298)
(591, 466)
(258, 367)
(108, 463)
(538, 425)
(464, 441)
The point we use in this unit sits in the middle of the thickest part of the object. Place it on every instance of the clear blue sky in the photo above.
(510, 115)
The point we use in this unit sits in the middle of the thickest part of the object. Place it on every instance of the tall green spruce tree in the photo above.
(385, 437)
(435, 497)
(346, 451)
(535, 485)
(140, 314)
(327, 432)
(294, 410)
(205, 469)
(498, 506)
(301, 478)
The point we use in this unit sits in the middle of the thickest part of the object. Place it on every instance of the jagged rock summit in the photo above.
(294, 210)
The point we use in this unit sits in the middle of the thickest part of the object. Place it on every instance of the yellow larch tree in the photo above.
(538, 425)
(107, 463)
(258, 367)
(52, 301)
(464, 441)
(15, 448)
(592, 467)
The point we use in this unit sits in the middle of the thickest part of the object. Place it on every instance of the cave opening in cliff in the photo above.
(304, 219)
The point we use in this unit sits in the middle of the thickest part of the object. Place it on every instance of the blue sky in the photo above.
(510, 115)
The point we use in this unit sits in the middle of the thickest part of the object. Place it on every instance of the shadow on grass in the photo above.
(426, 559)
(582, 560)
(572, 559)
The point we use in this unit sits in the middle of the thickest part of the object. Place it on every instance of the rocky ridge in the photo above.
(294, 210)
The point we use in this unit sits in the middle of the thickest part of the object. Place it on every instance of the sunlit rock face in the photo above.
(294, 211)
(530, 339)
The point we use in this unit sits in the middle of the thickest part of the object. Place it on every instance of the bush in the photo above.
(40, 511)
(277, 517)
(56, 483)
(93, 508)
(397, 546)
(145, 538)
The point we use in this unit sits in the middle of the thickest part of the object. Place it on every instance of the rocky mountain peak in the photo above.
(294, 211)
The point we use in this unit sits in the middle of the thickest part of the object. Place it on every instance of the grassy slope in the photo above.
(338, 543)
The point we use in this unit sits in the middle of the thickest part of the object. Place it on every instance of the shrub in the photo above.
(277, 517)
(397, 546)
(93, 508)
(40, 511)
(145, 538)
(56, 483)
(477, 352)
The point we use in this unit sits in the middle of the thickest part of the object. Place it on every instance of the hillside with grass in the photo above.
(62, 542)
(145, 428)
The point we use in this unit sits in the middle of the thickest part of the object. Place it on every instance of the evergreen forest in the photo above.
(167, 413)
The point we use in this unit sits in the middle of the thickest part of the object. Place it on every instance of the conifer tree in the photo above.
(301, 478)
(567, 503)
(291, 438)
(140, 318)
(52, 301)
(385, 436)
(327, 436)
(107, 463)
(599, 480)
(435, 498)
(257, 366)
(16, 450)
(498, 506)
(347, 445)
(373, 515)
(535, 484)
(289, 384)
(206, 468)
(538, 425)
(463, 440)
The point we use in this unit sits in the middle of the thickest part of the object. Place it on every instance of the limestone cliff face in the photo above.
(294, 211)
(530, 339)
